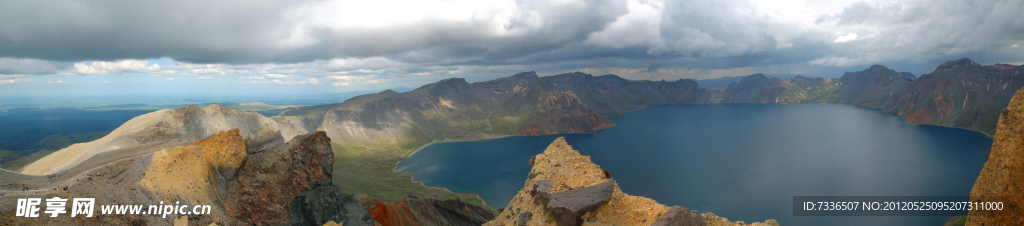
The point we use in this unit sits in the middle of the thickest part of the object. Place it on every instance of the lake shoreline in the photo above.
(749, 135)
(484, 136)
(412, 177)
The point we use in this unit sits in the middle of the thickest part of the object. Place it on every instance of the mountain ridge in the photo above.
(456, 107)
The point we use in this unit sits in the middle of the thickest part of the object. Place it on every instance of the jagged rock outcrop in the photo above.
(289, 183)
(566, 188)
(263, 140)
(428, 211)
(1002, 177)
(198, 171)
(269, 180)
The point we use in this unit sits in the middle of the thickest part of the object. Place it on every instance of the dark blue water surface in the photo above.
(741, 161)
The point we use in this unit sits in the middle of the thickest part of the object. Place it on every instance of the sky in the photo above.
(63, 47)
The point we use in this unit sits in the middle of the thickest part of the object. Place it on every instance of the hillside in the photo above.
(155, 130)
(960, 94)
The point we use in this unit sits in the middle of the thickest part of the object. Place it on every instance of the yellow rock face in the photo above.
(184, 173)
(180, 172)
(1002, 179)
(226, 149)
(566, 169)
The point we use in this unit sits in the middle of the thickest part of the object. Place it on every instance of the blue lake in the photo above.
(741, 161)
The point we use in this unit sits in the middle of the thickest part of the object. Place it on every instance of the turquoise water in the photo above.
(741, 161)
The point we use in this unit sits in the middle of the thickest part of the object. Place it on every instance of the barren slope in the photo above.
(186, 124)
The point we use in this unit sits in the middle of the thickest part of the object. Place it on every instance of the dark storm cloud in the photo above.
(928, 30)
(11, 66)
(302, 36)
(198, 31)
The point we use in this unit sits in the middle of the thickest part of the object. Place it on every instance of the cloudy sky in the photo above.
(197, 46)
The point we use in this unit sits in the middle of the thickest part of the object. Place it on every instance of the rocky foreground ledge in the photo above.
(565, 188)
(1001, 179)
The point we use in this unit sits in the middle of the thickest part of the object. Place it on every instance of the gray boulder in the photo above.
(325, 202)
(680, 216)
(524, 219)
(568, 207)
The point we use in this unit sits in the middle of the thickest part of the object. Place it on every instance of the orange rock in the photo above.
(1003, 176)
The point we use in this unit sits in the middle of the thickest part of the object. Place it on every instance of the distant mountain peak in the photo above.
(961, 62)
(574, 75)
(878, 67)
(530, 75)
(212, 107)
(755, 76)
(453, 80)
(908, 75)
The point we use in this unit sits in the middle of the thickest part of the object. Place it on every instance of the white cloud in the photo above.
(846, 38)
(313, 81)
(169, 79)
(204, 77)
(4, 80)
(641, 25)
(342, 83)
(280, 76)
(112, 67)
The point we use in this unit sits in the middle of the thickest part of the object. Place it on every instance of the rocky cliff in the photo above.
(1003, 176)
(566, 188)
(196, 173)
(959, 93)
(269, 180)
